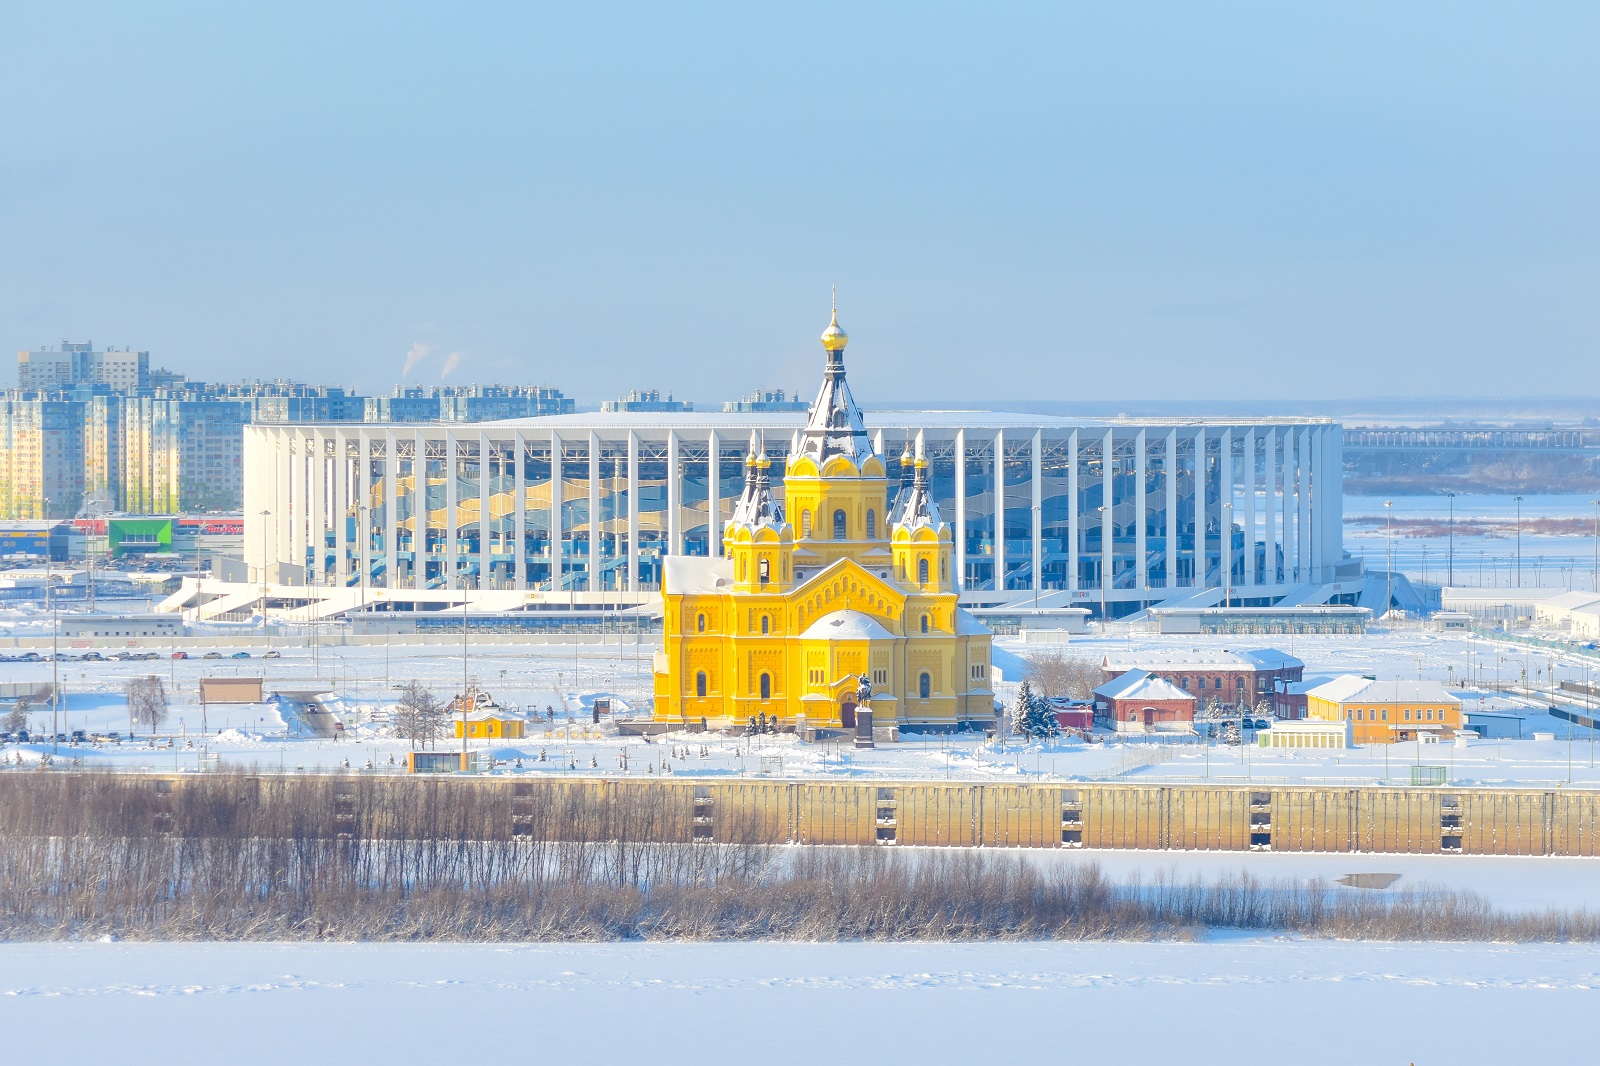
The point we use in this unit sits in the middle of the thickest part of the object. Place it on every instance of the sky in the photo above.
(1065, 202)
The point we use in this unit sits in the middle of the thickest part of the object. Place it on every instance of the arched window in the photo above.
(764, 624)
(925, 686)
(922, 571)
(700, 684)
(1184, 683)
(766, 686)
(764, 568)
(924, 623)
(872, 523)
(700, 624)
(838, 525)
(805, 523)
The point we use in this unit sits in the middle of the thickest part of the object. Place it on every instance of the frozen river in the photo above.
(1234, 1001)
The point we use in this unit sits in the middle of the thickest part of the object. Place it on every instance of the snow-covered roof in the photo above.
(696, 575)
(968, 626)
(846, 625)
(1219, 659)
(1141, 685)
(1571, 601)
(1353, 688)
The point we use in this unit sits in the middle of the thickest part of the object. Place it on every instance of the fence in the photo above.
(1241, 817)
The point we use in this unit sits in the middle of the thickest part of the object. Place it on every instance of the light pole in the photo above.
(264, 516)
(1227, 554)
(366, 544)
(55, 634)
(1388, 566)
(1519, 541)
(1450, 578)
(1105, 556)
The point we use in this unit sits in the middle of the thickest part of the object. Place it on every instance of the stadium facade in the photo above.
(1110, 515)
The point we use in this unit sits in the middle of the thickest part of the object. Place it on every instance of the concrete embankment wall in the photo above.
(1088, 816)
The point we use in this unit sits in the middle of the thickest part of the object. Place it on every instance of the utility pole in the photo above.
(463, 677)
(1388, 566)
(55, 635)
(1451, 565)
(1519, 541)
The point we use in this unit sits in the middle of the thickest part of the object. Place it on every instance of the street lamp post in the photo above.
(1519, 541)
(1594, 574)
(1388, 566)
(1450, 565)
(1105, 557)
(1227, 554)
(366, 545)
(55, 635)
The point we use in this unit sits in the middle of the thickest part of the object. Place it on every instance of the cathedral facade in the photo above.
(825, 602)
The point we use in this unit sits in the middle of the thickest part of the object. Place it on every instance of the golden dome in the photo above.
(833, 338)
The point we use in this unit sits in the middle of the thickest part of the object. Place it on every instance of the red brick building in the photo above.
(1230, 677)
(1138, 702)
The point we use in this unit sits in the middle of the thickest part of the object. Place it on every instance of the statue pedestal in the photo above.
(864, 727)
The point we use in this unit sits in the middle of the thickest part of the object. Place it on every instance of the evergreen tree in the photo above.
(1033, 716)
(17, 717)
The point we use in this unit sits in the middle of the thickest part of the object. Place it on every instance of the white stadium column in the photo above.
(674, 496)
(341, 509)
(1172, 510)
(1108, 517)
(452, 504)
(714, 495)
(558, 553)
(1074, 520)
(485, 511)
(519, 511)
(1036, 479)
(633, 511)
(1141, 572)
(961, 509)
(999, 483)
(593, 584)
(1201, 569)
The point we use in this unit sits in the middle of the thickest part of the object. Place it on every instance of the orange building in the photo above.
(1386, 712)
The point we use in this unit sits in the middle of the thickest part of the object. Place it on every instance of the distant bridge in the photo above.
(1571, 441)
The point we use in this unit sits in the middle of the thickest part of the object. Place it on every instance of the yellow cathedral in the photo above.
(824, 602)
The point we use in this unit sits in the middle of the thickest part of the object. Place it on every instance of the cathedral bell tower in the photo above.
(834, 482)
(922, 540)
(757, 539)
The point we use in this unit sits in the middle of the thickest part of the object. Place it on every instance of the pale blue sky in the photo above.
(1173, 202)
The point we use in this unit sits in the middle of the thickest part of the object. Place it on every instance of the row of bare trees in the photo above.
(1056, 674)
(419, 716)
(147, 701)
(233, 856)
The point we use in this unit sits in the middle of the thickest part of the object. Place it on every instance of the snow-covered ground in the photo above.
(1238, 1001)
(560, 682)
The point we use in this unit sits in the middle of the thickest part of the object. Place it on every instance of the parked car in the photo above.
(273, 655)
(180, 655)
(79, 735)
(240, 655)
(212, 655)
(6, 738)
(93, 657)
(23, 736)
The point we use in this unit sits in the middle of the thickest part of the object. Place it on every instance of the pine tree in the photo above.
(17, 717)
(1033, 716)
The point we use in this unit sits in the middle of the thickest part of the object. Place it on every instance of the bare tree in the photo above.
(17, 717)
(147, 701)
(419, 716)
(1052, 673)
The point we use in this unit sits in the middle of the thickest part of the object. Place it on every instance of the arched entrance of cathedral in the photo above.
(847, 713)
